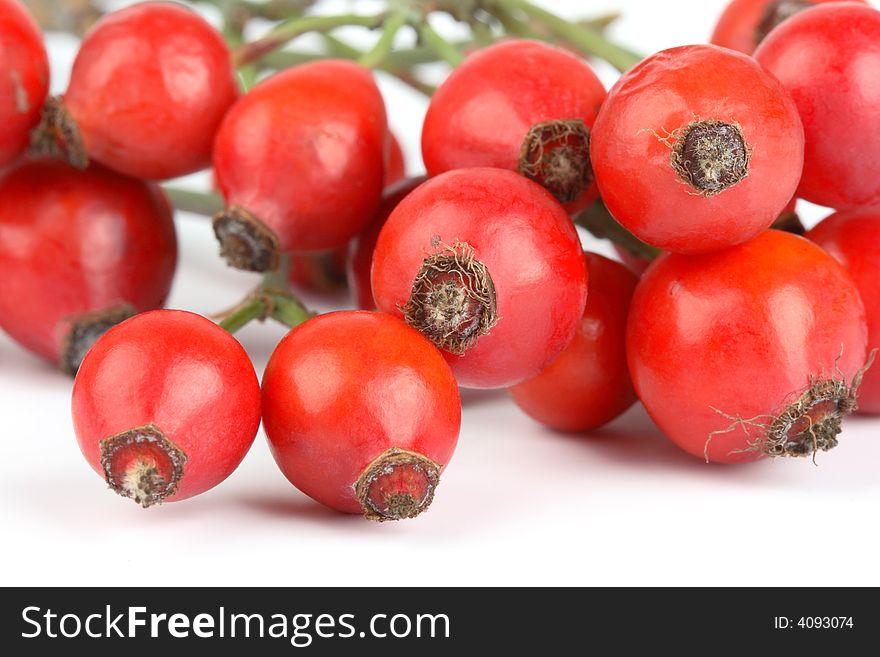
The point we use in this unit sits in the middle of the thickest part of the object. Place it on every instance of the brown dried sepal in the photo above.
(85, 330)
(709, 156)
(556, 155)
(57, 135)
(452, 301)
(399, 484)
(245, 241)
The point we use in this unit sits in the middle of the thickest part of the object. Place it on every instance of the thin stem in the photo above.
(339, 48)
(588, 41)
(281, 35)
(197, 202)
(444, 49)
(599, 223)
(390, 27)
(252, 308)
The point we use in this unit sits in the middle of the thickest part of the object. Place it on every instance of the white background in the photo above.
(518, 504)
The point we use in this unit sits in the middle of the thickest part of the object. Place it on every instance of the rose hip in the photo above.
(148, 89)
(588, 384)
(300, 162)
(853, 238)
(362, 413)
(754, 351)
(489, 267)
(827, 58)
(520, 105)
(165, 406)
(24, 78)
(696, 149)
(80, 251)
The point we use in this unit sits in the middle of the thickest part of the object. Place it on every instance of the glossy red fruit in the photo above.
(489, 267)
(745, 23)
(148, 90)
(827, 59)
(362, 413)
(360, 260)
(853, 238)
(320, 272)
(696, 149)
(300, 162)
(521, 105)
(588, 384)
(395, 169)
(165, 406)
(753, 351)
(24, 78)
(79, 252)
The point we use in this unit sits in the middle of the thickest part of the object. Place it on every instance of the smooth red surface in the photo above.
(72, 242)
(828, 58)
(588, 384)
(530, 248)
(181, 372)
(853, 237)
(360, 261)
(635, 263)
(395, 169)
(483, 111)
(737, 26)
(345, 387)
(24, 78)
(149, 88)
(664, 94)
(304, 152)
(740, 332)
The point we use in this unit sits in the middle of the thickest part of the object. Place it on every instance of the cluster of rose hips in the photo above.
(742, 341)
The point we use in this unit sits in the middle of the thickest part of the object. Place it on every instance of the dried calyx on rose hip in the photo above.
(80, 252)
(548, 99)
(165, 406)
(745, 23)
(758, 350)
(362, 414)
(300, 160)
(148, 89)
(24, 68)
(488, 266)
(697, 148)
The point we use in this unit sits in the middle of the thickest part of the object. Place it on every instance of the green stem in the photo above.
(281, 35)
(339, 48)
(378, 53)
(588, 41)
(253, 308)
(599, 223)
(444, 49)
(197, 202)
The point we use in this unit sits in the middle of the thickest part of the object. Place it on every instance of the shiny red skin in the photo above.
(738, 24)
(345, 387)
(483, 111)
(360, 260)
(636, 264)
(304, 153)
(178, 371)
(73, 242)
(853, 238)
(665, 93)
(149, 88)
(740, 331)
(24, 78)
(530, 248)
(827, 58)
(395, 168)
(588, 384)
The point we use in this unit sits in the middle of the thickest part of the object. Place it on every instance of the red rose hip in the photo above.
(300, 162)
(588, 384)
(79, 251)
(853, 238)
(827, 58)
(520, 105)
(489, 267)
(24, 78)
(148, 89)
(753, 351)
(362, 413)
(165, 406)
(696, 149)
